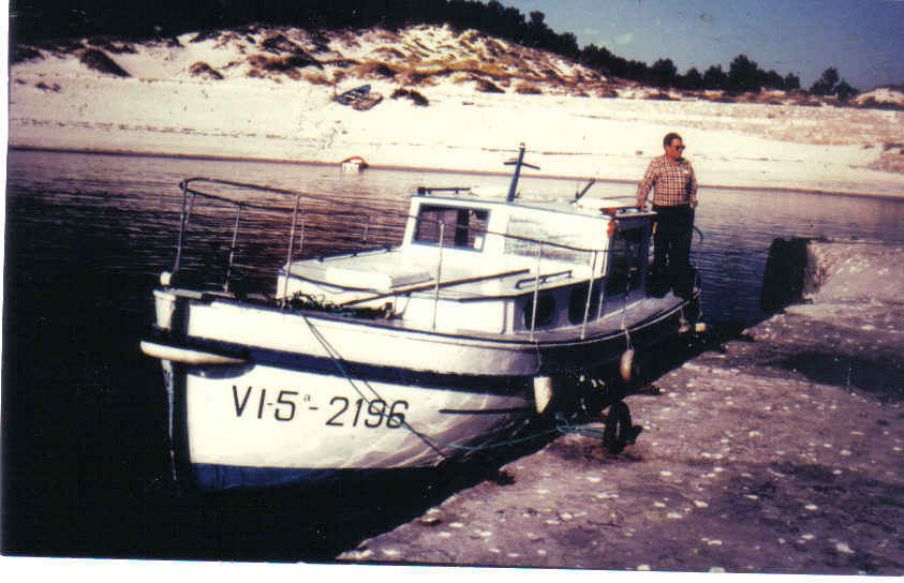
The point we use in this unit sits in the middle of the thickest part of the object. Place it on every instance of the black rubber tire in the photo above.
(618, 427)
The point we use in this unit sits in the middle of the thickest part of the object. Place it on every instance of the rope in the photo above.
(699, 285)
(563, 425)
(628, 344)
(698, 281)
(334, 356)
(566, 427)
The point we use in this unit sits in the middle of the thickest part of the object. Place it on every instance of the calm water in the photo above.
(85, 468)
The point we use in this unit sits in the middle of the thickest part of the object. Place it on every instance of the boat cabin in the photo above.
(469, 263)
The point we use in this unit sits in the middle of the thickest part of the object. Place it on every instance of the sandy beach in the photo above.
(58, 102)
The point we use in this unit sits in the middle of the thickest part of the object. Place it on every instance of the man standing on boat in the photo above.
(674, 200)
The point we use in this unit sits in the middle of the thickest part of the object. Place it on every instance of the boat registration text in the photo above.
(286, 405)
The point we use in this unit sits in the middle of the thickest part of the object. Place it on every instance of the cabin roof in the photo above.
(605, 208)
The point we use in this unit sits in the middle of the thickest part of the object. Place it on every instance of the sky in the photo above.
(863, 39)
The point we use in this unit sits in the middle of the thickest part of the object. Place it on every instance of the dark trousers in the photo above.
(672, 249)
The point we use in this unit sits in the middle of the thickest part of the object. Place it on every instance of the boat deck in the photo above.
(622, 316)
(464, 276)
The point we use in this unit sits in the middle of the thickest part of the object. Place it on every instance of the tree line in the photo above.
(42, 20)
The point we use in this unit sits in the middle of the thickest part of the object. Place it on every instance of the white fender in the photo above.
(542, 393)
(626, 365)
(186, 355)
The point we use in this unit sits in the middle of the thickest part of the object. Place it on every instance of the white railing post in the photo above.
(439, 272)
(235, 237)
(289, 254)
(301, 236)
(589, 294)
(533, 316)
(604, 279)
(188, 204)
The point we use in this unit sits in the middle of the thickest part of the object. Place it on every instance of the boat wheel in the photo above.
(619, 431)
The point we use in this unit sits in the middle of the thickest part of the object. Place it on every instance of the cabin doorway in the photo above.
(626, 268)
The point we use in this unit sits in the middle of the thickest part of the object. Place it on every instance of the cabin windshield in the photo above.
(459, 227)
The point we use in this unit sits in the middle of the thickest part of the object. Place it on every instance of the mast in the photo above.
(518, 163)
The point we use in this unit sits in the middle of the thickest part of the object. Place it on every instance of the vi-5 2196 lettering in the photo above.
(285, 405)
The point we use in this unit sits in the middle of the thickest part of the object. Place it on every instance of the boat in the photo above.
(353, 164)
(352, 95)
(360, 98)
(491, 312)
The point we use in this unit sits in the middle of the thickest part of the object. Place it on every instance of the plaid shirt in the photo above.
(675, 184)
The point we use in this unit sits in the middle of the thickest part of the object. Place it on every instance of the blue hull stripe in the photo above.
(219, 478)
(554, 359)
(482, 384)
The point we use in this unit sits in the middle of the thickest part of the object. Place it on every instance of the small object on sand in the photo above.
(367, 102)
(844, 548)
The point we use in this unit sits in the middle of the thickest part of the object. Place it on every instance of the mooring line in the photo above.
(334, 356)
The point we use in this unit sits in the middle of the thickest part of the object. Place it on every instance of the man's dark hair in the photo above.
(669, 137)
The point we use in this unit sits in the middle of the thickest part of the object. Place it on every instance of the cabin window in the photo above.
(462, 228)
(626, 257)
(568, 234)
(577, 304)
(546, 310)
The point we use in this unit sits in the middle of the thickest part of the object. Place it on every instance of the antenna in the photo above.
(578, 195)
(518, 163)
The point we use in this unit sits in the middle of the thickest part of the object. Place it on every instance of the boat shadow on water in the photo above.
(317, 522)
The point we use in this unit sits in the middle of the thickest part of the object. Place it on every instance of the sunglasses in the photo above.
(679, 148)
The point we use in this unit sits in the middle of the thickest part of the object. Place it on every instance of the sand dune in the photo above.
(269, 94)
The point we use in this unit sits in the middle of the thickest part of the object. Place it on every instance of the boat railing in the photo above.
(541, 278)
(289, 204)
(544, 250)
(242, 199)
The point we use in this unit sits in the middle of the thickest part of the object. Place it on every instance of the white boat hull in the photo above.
(300, 395)
(266, 417)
